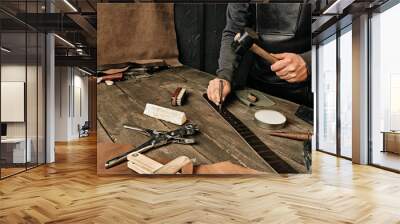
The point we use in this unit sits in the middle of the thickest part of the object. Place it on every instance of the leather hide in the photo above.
(131, 32)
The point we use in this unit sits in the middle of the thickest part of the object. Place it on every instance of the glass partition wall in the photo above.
(334, 94)
(345, 92)
(326, 99)
(385, 89)
(22, 87)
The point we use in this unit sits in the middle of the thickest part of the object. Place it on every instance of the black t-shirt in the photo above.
(282, 27)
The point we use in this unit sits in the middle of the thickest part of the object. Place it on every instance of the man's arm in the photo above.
(236, 20)
(307, 58)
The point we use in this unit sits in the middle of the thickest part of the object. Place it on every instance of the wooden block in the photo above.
(142, 164)
(174, 166)
(166, 114)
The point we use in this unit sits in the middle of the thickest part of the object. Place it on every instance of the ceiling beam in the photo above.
(81, 61)
(84, 24)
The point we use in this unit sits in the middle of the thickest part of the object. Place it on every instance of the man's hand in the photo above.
(290, 67)
(213, 90)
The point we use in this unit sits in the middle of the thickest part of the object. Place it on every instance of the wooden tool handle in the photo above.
(301, 136)
(263, 53)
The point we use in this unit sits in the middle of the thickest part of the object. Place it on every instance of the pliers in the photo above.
(157, 139)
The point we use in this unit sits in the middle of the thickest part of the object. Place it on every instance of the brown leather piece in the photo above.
(114, 76)
(130, 32)
(224, 168)
(188, 169)
(106, 151)
(115, 70)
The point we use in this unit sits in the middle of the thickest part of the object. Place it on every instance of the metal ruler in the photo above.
(277, 163)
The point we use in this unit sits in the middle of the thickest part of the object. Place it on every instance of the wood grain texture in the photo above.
(107, 151)
(124, 104)
(69, 191)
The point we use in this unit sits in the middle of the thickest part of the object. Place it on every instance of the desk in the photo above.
(17, 150)
(391, 141)
(124, 102)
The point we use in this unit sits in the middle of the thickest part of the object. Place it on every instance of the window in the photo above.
(385, 86)
(334, 106)
(326, 100)
(22, 78)
(346, 74)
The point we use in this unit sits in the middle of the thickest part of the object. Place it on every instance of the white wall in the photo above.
(10, 73)
(80, 110)
(71, 94)
(33, 126)
(16, 73)
(61, 103)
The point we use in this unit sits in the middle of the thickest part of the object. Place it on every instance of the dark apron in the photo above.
(283, 27)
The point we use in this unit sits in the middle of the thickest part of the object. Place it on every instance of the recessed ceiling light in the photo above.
(5, 50)
(337, 7)
(70, 5)
(84, 71)
(65, 41)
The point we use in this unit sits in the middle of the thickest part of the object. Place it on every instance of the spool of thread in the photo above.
(269, 119)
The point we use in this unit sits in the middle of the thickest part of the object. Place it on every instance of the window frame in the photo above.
(338, 33)
(378, 10)
(27, 29)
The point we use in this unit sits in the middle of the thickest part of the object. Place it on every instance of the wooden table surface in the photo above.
(124, 102)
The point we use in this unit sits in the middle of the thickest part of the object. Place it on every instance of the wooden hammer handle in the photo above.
(263, 53)
(301, 136)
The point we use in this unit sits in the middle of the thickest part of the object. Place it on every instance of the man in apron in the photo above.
(285, 31)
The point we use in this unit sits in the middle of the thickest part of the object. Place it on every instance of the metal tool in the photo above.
(157, 139)
(249, 40)
(277, 163)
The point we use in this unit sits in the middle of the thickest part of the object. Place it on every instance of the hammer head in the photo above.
(243, 41)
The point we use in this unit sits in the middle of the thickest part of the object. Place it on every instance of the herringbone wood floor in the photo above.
(70, 192)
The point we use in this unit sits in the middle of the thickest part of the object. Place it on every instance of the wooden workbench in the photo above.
(124, 102)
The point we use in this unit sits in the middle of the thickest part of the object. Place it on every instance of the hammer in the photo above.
(247, 41)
